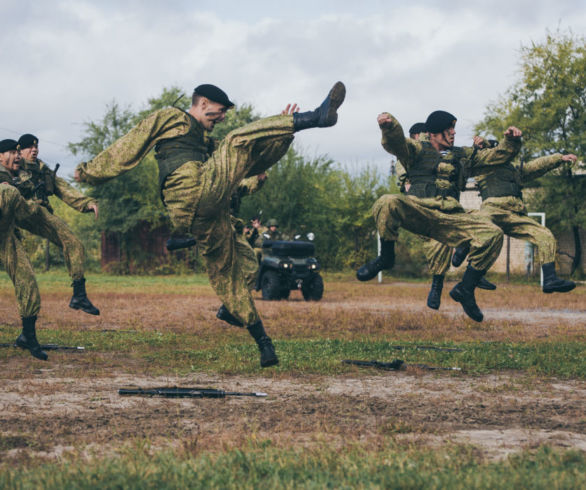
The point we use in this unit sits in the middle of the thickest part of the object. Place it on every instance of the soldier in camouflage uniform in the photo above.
(198, 177)
(273, 232)
(14, 209)
(255, 238)
(436, 170)
(438, 255)
(36, 181)
(502, 203)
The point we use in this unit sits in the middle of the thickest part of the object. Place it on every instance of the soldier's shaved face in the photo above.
(443, 140)
(30, 153)
(208, 112)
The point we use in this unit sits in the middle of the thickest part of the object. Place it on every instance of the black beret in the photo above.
(28, 140)
(213, 93)
(417, 128)
(439, 121)
(7, 145)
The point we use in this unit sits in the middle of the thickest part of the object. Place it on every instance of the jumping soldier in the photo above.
(502, 203)
(198, 176)
(436, 171)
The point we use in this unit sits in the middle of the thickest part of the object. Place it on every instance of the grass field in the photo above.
(512, 415)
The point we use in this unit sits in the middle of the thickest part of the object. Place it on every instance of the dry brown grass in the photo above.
(50, 406)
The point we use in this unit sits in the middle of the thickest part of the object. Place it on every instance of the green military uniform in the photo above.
(432, 208)
(13, 210)
(197, 179)
(438, 255)
(37, 182)
(502, 201)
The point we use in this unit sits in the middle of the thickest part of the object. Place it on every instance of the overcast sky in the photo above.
(64, 61)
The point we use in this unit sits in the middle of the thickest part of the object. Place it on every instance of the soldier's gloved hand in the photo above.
(513, 133)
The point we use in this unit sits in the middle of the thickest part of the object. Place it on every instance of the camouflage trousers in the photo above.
(12, 254)
(439, 257)
(392, 212)
(523, 227)
(47, 225)
(197, 196)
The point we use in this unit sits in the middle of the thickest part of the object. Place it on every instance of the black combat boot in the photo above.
(28, 339)
(177, 242)
(552, 283)
(325, 115)
(225, 315)
(463, 293)
(268, 357)
(486, 284)
(460, 254)
(79, 300)
(434, 298)
(385, 260)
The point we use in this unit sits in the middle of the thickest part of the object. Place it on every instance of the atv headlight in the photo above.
(288, 266)
(312, 267)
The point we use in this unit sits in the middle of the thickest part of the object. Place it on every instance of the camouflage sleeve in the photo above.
(394, 142)
(14, 205)
(127, 152)
(71, 196)
(401, 175)
(540, 166)
(506, 150)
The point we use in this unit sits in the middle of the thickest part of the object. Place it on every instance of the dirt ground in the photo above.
(497, 414)
(49, 413)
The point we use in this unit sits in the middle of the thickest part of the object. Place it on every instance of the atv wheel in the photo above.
(271, 286)
(313, 290)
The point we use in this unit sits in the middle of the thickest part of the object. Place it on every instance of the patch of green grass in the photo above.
(158, 352)
(261, 465)
(59, 279)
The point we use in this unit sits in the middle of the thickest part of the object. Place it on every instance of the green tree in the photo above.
(548, 103)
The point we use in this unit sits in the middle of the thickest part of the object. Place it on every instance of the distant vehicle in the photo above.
(288, 265)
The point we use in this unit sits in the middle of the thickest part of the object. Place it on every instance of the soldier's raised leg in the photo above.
(392, 212)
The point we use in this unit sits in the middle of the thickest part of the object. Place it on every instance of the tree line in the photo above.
(548, 102)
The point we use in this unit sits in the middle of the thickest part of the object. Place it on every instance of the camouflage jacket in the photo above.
(500, 185)
(127, 153)
(408, 152)
(38, 182)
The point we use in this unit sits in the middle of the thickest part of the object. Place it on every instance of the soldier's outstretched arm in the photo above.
(127, 152)
(394, 141)
(540, 166)
(72, 197)
(504, 152)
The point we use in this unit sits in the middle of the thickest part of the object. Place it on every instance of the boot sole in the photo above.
(269, 363)
(85, 311)
(336, 96)
(565, 289)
